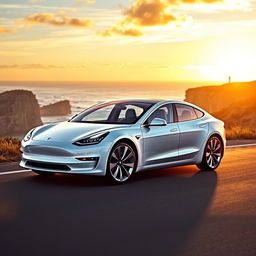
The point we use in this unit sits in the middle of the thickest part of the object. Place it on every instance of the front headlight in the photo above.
(28, 135)
(91, 140)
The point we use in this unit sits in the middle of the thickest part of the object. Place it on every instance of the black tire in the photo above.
(213, 154)
(43, 173)
(122, 163)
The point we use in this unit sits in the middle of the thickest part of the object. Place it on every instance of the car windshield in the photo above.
(127, 112)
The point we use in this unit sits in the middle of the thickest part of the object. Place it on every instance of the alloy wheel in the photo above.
(213, 152)
(122, 162)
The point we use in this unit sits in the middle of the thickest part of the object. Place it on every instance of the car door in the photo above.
(160, 143)
(193, 129)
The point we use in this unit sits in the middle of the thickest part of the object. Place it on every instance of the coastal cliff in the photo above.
(216, 98)
(19, 112)
(60, 108)
(234, 103)
(240, 113)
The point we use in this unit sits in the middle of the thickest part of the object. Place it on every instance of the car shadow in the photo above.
(77, 180)
(154, 214)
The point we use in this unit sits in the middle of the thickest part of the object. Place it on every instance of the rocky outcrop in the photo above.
(216, 98)
(234, 103)
(241, 113)
(19, 112)
(60, 108)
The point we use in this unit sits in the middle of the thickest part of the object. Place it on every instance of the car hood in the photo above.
(71, 131)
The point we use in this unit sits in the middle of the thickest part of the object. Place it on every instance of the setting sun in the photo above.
(234, 59)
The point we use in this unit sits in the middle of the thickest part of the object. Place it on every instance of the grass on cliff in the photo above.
(9, 149)
(238, 132)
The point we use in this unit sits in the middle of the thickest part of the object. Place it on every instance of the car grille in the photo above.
(49, 166)
(46, 151)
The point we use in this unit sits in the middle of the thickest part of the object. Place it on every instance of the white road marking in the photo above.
(13, 172)
(242, 145)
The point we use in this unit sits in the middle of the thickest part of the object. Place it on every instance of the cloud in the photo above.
(5, 30)
(121, 31)
(145, 13)
(156, 12)
(59, 19)
(149, 13)
(28, 66)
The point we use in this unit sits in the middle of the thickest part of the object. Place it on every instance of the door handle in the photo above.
(174, 130)
(202, 125)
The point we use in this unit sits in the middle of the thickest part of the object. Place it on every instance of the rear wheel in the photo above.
(122, 163)
(212, 154)
(43, 173)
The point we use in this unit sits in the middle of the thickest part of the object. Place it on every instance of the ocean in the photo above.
(82, 95)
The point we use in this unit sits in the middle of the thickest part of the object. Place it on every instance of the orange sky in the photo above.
(144, 40)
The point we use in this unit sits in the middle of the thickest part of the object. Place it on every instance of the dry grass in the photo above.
(9, 149)
(238, 132)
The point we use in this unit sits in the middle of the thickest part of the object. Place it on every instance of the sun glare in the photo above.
(234, 60)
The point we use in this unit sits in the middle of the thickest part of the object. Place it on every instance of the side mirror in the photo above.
(158, 122)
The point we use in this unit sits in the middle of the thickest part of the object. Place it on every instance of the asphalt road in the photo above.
(176, 211)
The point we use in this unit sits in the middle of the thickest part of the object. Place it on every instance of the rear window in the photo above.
(185, 112)
(199, 113)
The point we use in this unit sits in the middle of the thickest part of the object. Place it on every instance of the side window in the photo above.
(185, 112)
(165, 112)
(199, 113)
(137, 111)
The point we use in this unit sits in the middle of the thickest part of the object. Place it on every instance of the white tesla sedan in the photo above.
(119, 138)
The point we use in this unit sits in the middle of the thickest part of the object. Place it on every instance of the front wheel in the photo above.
(43, 173)
(212, 154)
(122, 163)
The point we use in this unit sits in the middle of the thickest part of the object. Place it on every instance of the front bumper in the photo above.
(65, 158)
